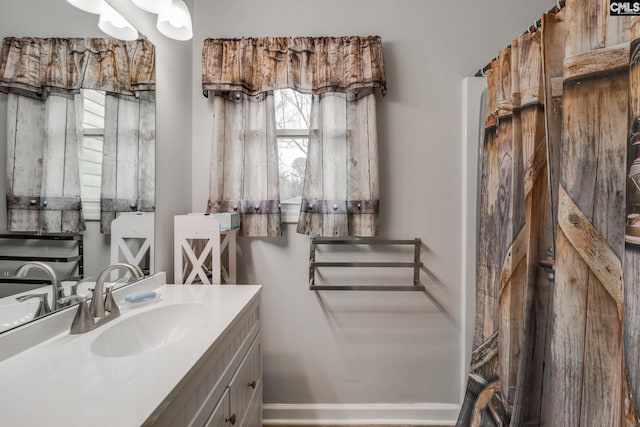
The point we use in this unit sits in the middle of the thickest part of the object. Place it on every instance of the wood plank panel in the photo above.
(553, 53)
(488, 222)
(54, 152)
(537, 234)
(586, 365)
(255, 152)
(362, 162)
(25, 154)
(511, 220)
(147, 151)
(632, 249)
(334, 160)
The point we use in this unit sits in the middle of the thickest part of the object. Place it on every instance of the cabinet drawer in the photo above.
(254, 414)
(220, 414)
(246, 382)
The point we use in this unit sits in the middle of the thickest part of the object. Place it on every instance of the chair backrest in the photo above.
(132, 240)
(196, 249)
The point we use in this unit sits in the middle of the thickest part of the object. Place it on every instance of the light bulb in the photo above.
(174, 21)
(115, 25)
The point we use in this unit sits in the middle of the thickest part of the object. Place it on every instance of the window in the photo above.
(292, 130)
(91, 161)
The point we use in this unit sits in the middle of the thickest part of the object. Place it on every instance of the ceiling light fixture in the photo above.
(91, 6)
(174, 18)
(153, 6)
(115, 25)
(174, 21)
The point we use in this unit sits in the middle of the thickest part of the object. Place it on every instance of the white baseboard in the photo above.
(353, 414)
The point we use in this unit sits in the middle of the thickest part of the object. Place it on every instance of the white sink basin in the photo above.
(150, 330)
(12, 315)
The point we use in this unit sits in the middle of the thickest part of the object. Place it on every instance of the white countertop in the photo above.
(60, 382)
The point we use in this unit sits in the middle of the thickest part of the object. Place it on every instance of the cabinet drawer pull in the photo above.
(252, 384)
(231, 419)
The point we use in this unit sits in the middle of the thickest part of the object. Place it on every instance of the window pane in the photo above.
(292, 157)
(91, 176)
(91, 171)
(292, 124)
(292, 109)
(93, 117)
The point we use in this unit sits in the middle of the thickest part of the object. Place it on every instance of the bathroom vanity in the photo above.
(189, 357)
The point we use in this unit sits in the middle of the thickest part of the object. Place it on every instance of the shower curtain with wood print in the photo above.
(632, 249)
(502, 261)
(550, 352)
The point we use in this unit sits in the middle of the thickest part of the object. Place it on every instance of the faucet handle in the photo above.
(110, 302)
(43, 304)
(73, 298)
(83, 321)
(74, 287)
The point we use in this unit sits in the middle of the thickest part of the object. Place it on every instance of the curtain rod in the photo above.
(536, 25)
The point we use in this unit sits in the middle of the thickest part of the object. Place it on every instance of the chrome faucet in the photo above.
(58, 291)
(43, 303)
(101, 311)
(97, 302)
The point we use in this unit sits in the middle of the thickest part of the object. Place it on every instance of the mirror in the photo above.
(57, 18)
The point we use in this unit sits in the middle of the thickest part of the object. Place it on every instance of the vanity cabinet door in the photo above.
(220, 417)
(254, 414)
(247, 382)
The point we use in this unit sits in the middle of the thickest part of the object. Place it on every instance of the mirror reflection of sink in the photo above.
(13, 315)
(149, 330)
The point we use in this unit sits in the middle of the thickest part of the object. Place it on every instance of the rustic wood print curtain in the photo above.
(42, 135)
(307, 64)
(128, 156)
(341, 189)
(550, 352)
(52, 71)
(340, 195)
(36, 66)
(244, 162)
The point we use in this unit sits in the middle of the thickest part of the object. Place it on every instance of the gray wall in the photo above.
(342, 348)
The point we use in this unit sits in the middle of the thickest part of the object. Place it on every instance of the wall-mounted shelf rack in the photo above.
(415, 264)
(77, 257)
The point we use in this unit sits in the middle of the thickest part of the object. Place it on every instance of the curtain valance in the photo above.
(307, 64)
(37, 66)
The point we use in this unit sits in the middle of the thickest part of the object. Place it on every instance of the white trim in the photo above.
(91, 210)
(92, 132)
(358, 414)
(289, 213)
(472, 88)
(292, 133)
